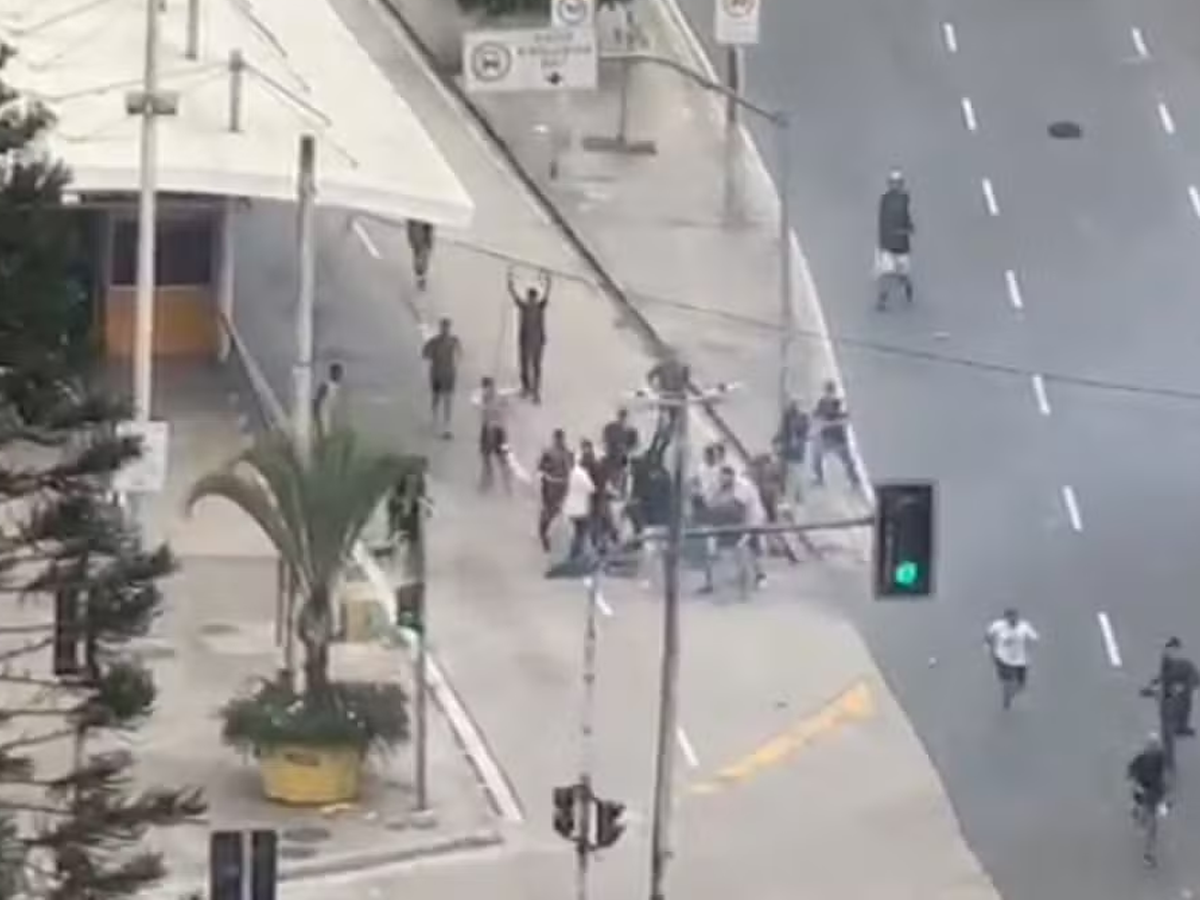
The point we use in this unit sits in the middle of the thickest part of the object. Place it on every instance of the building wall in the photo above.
(185, 322)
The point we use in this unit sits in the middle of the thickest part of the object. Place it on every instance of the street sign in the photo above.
(572, 14)
(737, 21)
(148, 473)
(530, 59)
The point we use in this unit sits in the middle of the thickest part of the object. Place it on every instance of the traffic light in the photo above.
(904, 539)
(226, 865)
(609, 826)
(264, 868)
(564, 811)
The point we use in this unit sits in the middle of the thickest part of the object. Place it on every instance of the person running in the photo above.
(493, 435)
(1148, 774)
(896, 229)
(1009, 639)
(620, 440)
(791, 443)
(420, 242)
(553, 470)
(1174, 686)
(442, 352)
(531, 333)
(726, 508)
(577, 507)
(833, 436)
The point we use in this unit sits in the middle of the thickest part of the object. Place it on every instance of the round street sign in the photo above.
(491, 61)
(739, 8)
(572, 13)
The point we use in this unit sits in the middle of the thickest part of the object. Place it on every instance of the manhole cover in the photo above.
(293, 852)
(307, 834)
(215, 628)
(1065, 130)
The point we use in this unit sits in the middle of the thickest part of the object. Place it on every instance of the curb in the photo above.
(376, 859)
(608, 284)
(347, 863)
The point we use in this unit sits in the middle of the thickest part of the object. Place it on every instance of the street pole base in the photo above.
(603, 143)
(423, 819)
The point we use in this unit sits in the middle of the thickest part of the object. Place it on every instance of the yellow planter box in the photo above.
(309, 776)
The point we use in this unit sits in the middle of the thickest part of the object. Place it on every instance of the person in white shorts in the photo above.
(1009, 639)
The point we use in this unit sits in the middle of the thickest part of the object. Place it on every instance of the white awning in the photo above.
(304, 74)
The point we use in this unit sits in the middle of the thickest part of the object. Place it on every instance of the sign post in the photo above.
(572, 14)
(737, 22)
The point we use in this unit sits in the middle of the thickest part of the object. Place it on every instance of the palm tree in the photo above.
(313, 510)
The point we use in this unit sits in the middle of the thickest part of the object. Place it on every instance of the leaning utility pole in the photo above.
(674, 399)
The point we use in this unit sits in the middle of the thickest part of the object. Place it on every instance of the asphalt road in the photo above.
(1071, 268)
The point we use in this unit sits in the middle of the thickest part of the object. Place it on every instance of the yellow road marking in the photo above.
(853, 705)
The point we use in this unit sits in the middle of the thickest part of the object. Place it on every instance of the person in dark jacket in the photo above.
(1174, 686)
(896, 229)
(531, 333)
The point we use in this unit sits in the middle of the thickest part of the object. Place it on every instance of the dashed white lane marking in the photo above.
(685, 745)
(1039, 393)
(989, 197)
(1164, 116)
(1139, 42)
(1014, 289)
(968, 111)
(1194, 196)
(1110, 640)
(950, 37)
(1071, 502)
(364, 236)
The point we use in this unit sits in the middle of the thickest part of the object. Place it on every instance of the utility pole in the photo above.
(145, 104)
(583, 845)
(674, 398)
(302, 400)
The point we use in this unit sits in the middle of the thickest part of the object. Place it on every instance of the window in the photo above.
(183, 252)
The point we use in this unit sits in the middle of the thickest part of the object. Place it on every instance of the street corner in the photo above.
(855, 704)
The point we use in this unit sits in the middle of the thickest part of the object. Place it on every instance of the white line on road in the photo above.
(1164, 116)
(1072, 505)
(1194, 196)
(1039, 393)
(989, 198)
(950, 37)
(968, 111)
(1139, 42)
(689, 752)
(1110, 640)
(1014, 289)
(361, 233)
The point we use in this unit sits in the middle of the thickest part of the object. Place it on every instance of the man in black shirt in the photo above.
(1148, 774)
(895, 237)
(1174, 686)
(531, 333)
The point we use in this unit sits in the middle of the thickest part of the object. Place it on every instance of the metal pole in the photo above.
(237, 70)
(303, 374)
(660, 848)
(143, 343)
(623, 108)
(193, 29)
(583, 849)
(786, 306)
(421, 687)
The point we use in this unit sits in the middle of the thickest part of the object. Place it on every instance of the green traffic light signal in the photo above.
(906, 574)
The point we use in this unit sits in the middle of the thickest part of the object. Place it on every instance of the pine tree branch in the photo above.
(26, 650)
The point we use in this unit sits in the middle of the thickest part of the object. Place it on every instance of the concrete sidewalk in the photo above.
(510, 640)
(218, 634)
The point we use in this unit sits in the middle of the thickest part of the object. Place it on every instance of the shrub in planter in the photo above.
(349, 715)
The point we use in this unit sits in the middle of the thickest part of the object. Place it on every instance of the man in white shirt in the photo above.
(1009, 639)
